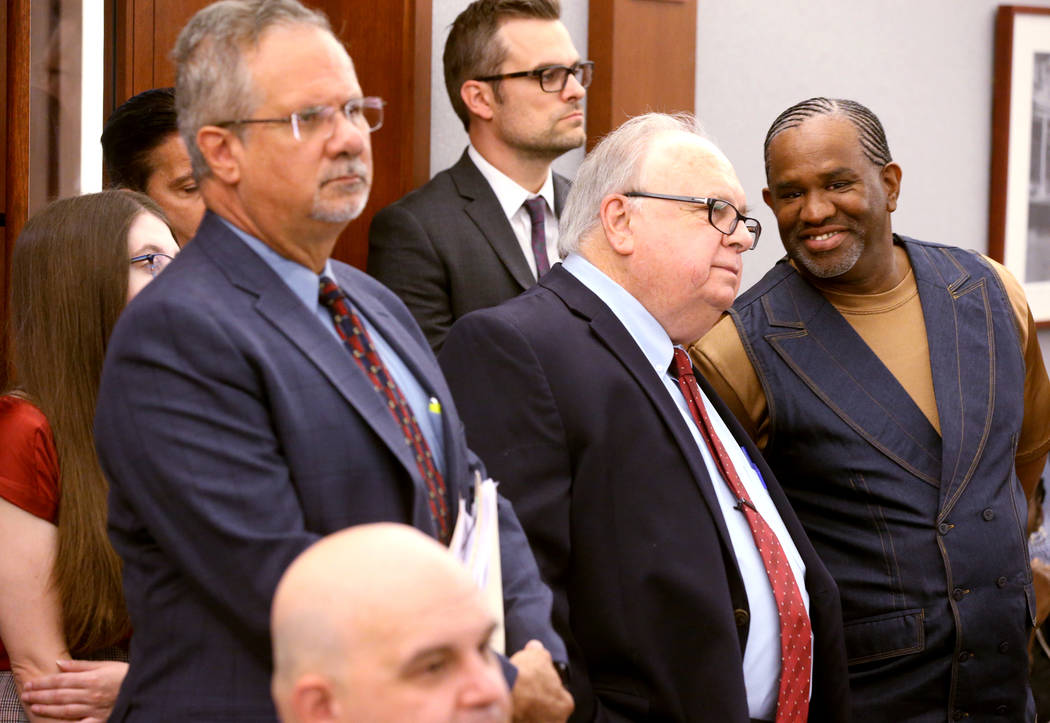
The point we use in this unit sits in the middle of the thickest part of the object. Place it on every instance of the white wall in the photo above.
(447, 137)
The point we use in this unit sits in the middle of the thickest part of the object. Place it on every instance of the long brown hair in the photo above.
(69, 283)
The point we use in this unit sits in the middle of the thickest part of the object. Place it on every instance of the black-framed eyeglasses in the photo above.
(153, 262)
(553, 78)
(721, 214)
(319, 121)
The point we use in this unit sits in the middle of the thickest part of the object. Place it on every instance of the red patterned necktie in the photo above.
(358, 341)
(796, 657)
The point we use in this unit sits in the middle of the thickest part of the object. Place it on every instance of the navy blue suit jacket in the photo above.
(566, 411)
(235, 430)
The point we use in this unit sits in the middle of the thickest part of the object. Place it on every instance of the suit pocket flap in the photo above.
(885, 636)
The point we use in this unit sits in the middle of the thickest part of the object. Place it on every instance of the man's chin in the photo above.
(575, 139)
(344, 212)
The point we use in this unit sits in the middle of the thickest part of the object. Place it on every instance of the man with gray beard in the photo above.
(897, 390)
(267, 395)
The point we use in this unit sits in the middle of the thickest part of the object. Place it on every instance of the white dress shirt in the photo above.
(762, 652)
(512, 199)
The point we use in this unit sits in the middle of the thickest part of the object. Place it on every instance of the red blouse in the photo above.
(28, 466)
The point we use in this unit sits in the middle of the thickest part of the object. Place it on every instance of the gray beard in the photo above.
(825, 270)
(344, 214)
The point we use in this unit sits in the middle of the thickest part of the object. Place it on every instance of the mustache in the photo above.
(348, 167)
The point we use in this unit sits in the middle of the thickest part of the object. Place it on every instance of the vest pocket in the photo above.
(885, 636)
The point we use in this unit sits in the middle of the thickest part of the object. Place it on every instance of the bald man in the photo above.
(380, 623)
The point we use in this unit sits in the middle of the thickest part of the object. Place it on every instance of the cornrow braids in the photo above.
(869, 130)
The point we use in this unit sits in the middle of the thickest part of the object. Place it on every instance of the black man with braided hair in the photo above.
(897, 390)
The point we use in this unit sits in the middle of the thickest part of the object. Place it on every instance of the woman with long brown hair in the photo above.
(63, 624)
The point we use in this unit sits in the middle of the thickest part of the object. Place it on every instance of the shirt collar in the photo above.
(643, 327)
(509, 193)
(303, 282)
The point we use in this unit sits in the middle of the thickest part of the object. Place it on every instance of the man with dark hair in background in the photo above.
(897, 390)
(485, 229)
(142, 151)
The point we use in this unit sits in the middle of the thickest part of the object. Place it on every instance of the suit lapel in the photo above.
(824, 351)
(962, 361)
(561, 192)
(621, 345)
(278, 306)
(483, 209)
(421, 362)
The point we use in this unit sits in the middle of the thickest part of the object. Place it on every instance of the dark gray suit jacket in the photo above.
(234, 430)
(447, 248)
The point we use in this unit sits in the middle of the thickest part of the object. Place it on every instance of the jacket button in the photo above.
(988, 514)
(964, 656)
(1000, 582)
(943, 528)
(958, 593)
(1004, 647)
(958, 714)
(742, 617)
(1001, 709)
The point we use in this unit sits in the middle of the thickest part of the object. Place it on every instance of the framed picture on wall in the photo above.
(1019, 209)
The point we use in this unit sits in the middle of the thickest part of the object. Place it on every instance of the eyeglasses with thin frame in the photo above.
(319, 120)
(553, 78)
(154, 262)
(721, 214)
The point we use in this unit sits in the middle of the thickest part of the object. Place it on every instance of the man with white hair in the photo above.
(684, 585)
(381, 623)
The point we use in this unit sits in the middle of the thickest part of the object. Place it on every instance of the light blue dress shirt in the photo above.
(305, 284)
(762, 652)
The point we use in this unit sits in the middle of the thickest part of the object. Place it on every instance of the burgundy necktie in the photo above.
(535, 207)
(358, 341)
(795, 632)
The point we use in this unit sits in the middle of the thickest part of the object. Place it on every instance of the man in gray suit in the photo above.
(485, 229)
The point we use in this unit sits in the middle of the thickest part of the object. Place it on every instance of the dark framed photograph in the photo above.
(1019, 209)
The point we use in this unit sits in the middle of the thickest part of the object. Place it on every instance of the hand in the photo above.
(84, 691)
(1041, 582)
(538, 694)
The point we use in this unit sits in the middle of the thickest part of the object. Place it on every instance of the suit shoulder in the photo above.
(421, 201)
(533, 311)
(363, 288)
(352, 278)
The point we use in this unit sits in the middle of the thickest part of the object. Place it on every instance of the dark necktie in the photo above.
(535, 208)
(795, 632)
(358, 341)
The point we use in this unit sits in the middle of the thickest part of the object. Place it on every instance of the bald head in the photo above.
(366, 621)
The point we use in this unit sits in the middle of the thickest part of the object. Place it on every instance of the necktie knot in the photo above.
(535, 207)
(681, 367)
(329, 291)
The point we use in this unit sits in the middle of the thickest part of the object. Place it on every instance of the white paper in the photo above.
(475, 543)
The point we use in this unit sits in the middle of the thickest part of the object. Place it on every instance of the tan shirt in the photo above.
(883, 320)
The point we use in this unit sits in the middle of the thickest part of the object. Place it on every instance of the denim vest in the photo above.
(924, 533)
